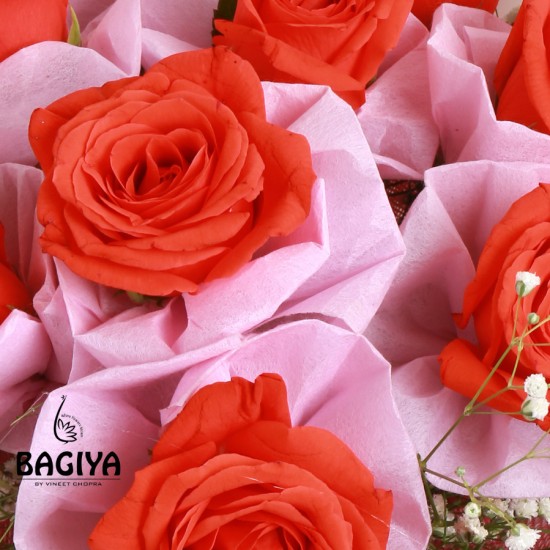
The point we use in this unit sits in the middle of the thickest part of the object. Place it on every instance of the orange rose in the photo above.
(13, 293)
(522, 74)
(424, 9)
(340, 44)
(230, 472)
(157, 183)
(519, 242)
(26, 22)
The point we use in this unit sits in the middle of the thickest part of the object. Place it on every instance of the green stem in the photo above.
(8, 529)
(486, 381)
(446, 478)
(529, 455)
(428, 490)
(496, 474)
(442, 440)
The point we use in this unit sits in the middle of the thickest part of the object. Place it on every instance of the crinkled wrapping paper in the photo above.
(397, 115)
(435, 90)
(335, 380)
(444, 233)
(36, 76)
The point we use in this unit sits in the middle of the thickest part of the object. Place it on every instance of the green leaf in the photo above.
(141, 299)
(74, 33)
(136, 297)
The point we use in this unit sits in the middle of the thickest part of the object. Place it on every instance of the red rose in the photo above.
(230, 472)
(158, 183)
(26, 22)
(519, 242)
(424, 9)
(13, 293)
(522, 74)
(340, 44)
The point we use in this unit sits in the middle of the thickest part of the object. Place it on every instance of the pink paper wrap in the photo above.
(397, 115)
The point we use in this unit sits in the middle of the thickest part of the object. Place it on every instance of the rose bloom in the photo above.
(522, 75)
(155, 184)
(340, 44)
(424, 9)
(13, 293)
(26, 22)
(231, 472)
(519, 242)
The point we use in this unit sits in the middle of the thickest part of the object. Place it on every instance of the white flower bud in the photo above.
(460, 472)
(474, 526)
(535, 385)
(501, 504)
(472, 510)
(535, 408)
(522, 537)
(526, 282)
(533, 318)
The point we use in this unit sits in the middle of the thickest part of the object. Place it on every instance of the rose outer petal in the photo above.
(276, 61)
(464, 372)
(536, 205)
(199, 421)
(262, 471)
(522, 74)
(235, 84)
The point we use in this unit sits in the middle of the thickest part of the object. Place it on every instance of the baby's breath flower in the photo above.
(460, 472)
(501, 504)
(526, 282)
(534, 408)
(474, 526)
(533, 318)
(535, 385)
(472, 510)
(522, 537)
(544, 508)
(525, 507)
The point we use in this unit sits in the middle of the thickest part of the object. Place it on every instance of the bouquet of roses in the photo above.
(215, 334)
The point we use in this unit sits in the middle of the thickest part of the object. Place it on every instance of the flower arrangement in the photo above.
(274, 274)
